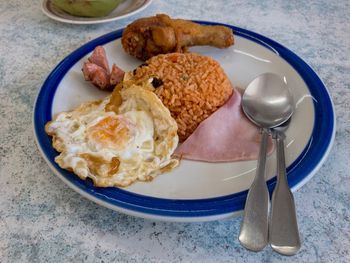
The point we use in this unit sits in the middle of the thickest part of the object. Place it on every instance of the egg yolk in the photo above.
(111, 132)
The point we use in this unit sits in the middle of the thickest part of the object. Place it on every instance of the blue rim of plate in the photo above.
(118, 199)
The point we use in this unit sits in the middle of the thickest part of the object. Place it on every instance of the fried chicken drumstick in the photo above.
(150, 36)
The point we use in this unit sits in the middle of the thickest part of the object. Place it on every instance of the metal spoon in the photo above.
(268, 103)
(283, 229)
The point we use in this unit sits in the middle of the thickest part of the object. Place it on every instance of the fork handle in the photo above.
(283, 230)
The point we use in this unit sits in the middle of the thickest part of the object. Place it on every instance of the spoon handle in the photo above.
(283, 229)
(254, 228)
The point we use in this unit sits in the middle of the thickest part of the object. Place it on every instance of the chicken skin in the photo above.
(150, 36)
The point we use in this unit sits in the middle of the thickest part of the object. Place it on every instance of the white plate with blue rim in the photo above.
(125, 9)
(199, 191)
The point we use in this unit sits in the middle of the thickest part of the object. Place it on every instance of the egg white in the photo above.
(116, 148)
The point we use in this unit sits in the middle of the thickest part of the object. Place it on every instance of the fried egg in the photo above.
(116, 144)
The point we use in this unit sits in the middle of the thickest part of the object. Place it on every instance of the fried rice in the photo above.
(190, 85)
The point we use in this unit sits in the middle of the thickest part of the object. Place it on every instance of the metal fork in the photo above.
(283, 229)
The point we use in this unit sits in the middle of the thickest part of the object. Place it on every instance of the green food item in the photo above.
(87, 8)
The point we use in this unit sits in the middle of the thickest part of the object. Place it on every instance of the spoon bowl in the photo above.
(267, 101)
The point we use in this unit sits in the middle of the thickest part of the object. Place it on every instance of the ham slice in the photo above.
(225, 136)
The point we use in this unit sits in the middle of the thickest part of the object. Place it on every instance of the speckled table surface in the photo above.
(42, 220)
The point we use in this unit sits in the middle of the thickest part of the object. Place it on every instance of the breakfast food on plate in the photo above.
(96, 70)
(116, 145)
(160, 34)
(190, 85)
(225, 136)
(133, 134)
(87, 8)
